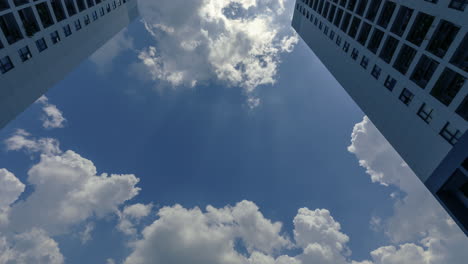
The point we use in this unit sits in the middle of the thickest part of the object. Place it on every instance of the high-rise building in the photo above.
(405, 64)
(43, 40)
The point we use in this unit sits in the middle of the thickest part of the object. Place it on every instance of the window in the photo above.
(70, 7)
(389, 49)
(402, 20)
(325, 30)
(375, 40)
(424, 71)
(432, 1)
(354, 54)
(354, 27)
(425, 113)
(338, 40)
(451, 134)
(114, 5)
(81, 5)
(101, 11)
(331, 15)
(404, 59)
(332, 35)
(365, 30)
(390, 83)
(420, 28)
(44, 14)
(460, 58)
(458, 4)
(373, 9)
(406, 96)
(364, 62)
(386, 14)
(442, 38)
(41, 44)
(54, 36)
(361, 7)
(6, 64)
(67, 30)
(343, 3)
(345, 24)
(57, 7)
(320, 25)
(448, 86)
(338, 17)
(462, 110)
(77, 25)
(351, 5)
(315, 21)
(376, 72)
(86, 20)
(320, 7)
(346, 47)
(25, 53)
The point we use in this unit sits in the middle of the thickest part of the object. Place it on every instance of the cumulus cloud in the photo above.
(34, 246)
(53, 117)
(131, 215)
(236, 42)
(22, 140)
(419, 222)
(10, 189)
(104, 56)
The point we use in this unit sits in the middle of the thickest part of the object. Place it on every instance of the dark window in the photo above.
(458, 4)
(41, 44)
(57, 7)
(346, 46)
(460, 58)
(332, 34)
(77, 25)
(81, 5)
(354, 54)
(404, 59)
(343, 3)
(389, 49)
(462, 110)
(402, 20)
(448, 86)
(28, 18)
(44, 15)
(351, 5)
(320, 7)
(86, 20)
(316, 5)
(420, 28)
(465, 165)
(90, 3)
(325, 31)
(373, 9)
(376, 72)
(390, 83)
(101, 11)
(315, 21)
(10, 28)
(25, 53)
(406, 96)
(325, 10)
(331, 15)
(375, 40)
(338, 40)
(365, 30)
(354, 27)
(386, 14)
(54, 37)
(432, 1)
(67, 30)
(338, 17)
(424, 71)
(364, 62)
(442, 38)
(345, 23)
(70, 7)
(451, 134)
(425, 113)
(6, 64)
(361, 7)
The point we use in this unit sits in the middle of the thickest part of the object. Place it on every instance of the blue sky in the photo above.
(218, 141)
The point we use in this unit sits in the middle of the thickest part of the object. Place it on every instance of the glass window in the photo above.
(67, 30)
(425, 113)
(375, 40)
(77, 25)
(41, 44)
(331, 14)
(448, 86)
(59, 12)
(364, 62)
(332, 35)
(354, 27)
(95, 16)
(338, 40)
(386, 14)
(351, 5)
(460, 58)
(6, 65)
(86, 20)
(345, 23)
(458, 4)
(404, 59)
(339, 15)
(346, 47)
(361, 7)
(451, 134)
(354, 54)
(402, 20)
(424, 71)
(406, 96)
(389, 49)
(25, 53)
(390, 83)
(44, 14)
(376, 72)
(442, 38)
(364, 34)
(54, 37)
(420, 28)
(462, 110)
(373, 9)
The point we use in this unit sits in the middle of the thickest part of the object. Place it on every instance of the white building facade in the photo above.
(405, 63)
(43, 40)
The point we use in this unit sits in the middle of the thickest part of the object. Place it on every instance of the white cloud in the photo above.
(22, 140)
(418, 218)
(30, 247)
(10, 189)
(105, 55)
(53, 117)
(131, 215)
(236, 42)
(85, 235)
